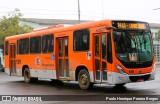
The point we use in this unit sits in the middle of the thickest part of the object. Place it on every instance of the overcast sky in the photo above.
(90, 9)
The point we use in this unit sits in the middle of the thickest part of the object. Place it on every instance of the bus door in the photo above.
(12, 59)
(62, 66)
(100, 57)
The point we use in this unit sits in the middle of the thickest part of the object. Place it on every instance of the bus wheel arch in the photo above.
(83, 77)
(23, 68)
(27, 76)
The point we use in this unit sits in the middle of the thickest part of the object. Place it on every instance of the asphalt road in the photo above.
(13, 85)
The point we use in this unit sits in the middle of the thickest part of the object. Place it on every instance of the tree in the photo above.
(9, 25)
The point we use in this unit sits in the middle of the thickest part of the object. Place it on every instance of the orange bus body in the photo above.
(69, 62)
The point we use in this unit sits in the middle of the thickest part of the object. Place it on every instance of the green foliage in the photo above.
(9, 25)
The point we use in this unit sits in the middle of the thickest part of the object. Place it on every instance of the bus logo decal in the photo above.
(37, 60)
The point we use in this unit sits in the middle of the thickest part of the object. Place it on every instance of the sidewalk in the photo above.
(5, 77)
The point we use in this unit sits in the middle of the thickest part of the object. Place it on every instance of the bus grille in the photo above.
(136, 78)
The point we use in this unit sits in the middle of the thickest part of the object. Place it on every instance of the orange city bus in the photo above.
(109, 51)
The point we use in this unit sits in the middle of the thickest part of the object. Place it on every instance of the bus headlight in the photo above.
(120, 69)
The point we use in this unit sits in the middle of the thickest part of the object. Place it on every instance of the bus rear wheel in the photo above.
(27, 76)
(84, 80)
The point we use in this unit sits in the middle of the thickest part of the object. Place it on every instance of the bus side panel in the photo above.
(41, 66)
(79, 58)
(48, 66)
(76, 61)
(21, 61)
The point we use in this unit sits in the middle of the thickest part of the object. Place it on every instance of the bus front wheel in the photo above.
(84, 79)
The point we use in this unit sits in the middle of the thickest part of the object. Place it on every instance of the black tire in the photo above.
(84, 80)
(34, 79)
(120, 85)
(27, 76)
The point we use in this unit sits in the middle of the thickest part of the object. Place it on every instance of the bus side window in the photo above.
(23, 46)
(104, 50)
(47, 43)
(35, 44)
(81, 40)
(85, 43)
(44, 44)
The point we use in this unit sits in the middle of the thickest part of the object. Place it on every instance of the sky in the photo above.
(140, 10)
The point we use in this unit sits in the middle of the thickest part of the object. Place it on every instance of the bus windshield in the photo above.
(133, 46)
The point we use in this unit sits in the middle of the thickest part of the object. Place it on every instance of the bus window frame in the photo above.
(42, 44)
(88, 40)
(18, 42)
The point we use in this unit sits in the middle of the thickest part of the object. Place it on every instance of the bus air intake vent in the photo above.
(136, 78)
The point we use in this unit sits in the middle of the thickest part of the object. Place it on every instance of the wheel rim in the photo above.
(84, 79)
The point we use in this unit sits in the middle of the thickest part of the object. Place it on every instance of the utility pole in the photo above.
(79, 12)
(102, 10)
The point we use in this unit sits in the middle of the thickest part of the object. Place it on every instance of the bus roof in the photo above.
(62, 28)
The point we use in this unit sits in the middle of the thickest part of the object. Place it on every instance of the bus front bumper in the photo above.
(118, 78)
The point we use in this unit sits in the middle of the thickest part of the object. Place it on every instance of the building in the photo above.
(157, 50)
(155, 27)
(41, 23)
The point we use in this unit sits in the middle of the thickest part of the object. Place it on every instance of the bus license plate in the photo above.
(140, 80)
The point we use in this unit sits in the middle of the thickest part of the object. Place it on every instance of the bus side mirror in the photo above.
(114, 36)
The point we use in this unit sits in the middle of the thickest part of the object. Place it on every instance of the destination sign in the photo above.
(129, 25)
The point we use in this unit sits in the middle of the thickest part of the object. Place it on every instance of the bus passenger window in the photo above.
(35, 44)
(47, 43)
(104, 48)
(96, 38)
(66, 47)
(23, 46)
(81, 40)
